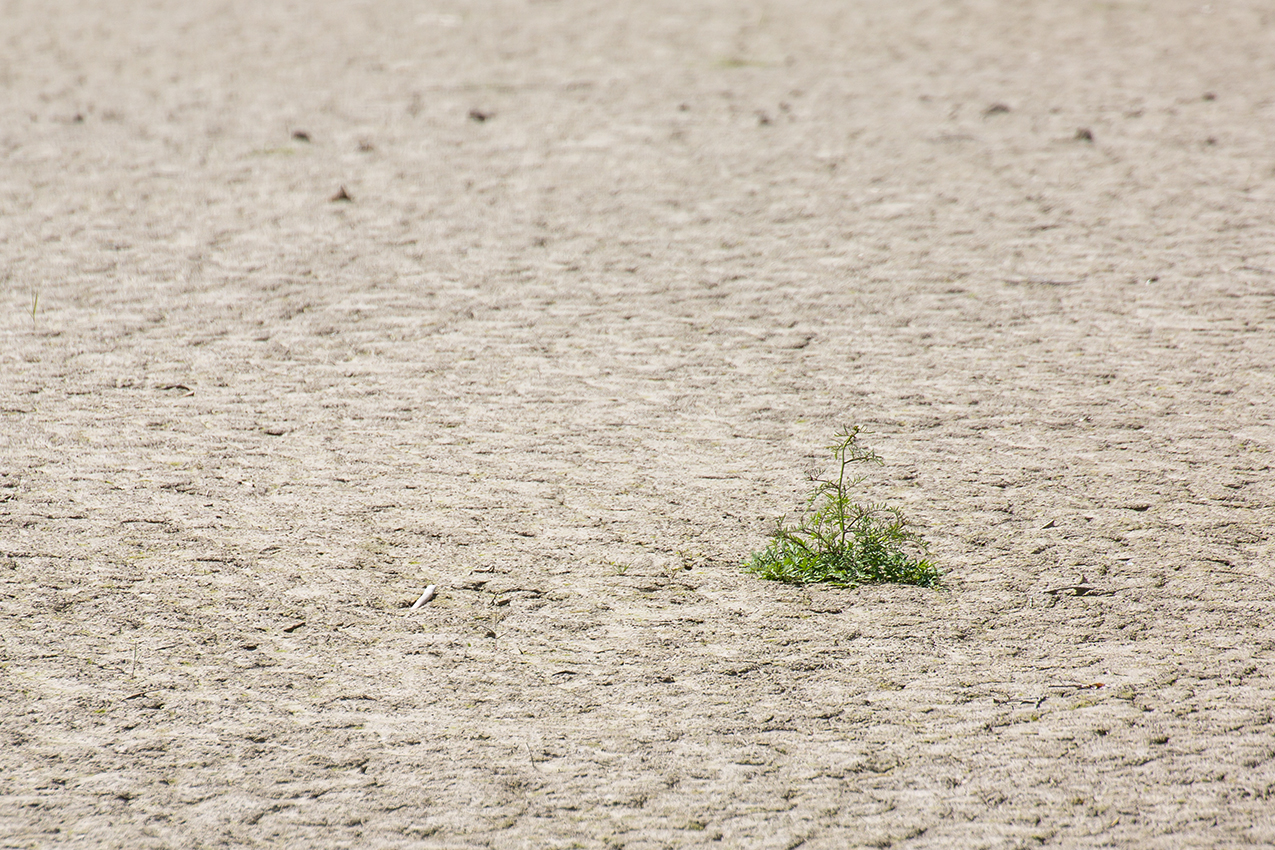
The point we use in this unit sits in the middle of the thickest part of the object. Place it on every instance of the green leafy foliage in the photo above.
(838, 541)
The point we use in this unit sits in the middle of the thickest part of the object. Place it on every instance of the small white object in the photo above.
(425, 597)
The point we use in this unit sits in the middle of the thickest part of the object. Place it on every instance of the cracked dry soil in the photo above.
(552, 305)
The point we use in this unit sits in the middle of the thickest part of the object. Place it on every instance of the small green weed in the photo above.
(840, 542)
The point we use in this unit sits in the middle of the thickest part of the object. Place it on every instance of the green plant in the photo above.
(838, 541)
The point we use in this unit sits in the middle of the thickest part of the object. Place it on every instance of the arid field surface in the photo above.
(306, 306)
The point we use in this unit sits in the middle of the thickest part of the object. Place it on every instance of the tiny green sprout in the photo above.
(841, 542)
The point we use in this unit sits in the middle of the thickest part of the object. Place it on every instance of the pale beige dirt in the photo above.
(568, 363)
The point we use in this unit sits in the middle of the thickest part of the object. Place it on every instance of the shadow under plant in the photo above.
(840, 542)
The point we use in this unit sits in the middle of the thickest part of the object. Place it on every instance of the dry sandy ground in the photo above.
(609, 278)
